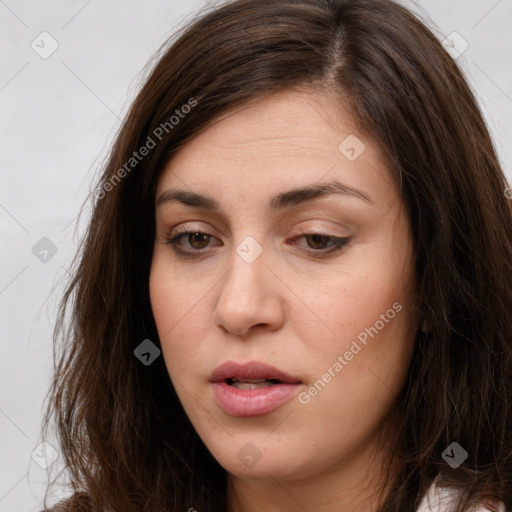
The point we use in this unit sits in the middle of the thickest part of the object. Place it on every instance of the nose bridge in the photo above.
(245, 281)
(246, 295)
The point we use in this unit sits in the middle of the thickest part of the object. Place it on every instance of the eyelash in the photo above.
(339, 244)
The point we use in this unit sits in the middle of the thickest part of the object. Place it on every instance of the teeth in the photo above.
(251, 384)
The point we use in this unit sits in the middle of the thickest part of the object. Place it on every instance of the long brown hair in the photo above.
(127, 442)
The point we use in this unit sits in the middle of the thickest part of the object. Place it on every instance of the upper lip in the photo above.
(250, 370)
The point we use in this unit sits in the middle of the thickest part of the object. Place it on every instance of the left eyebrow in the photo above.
(286, 199)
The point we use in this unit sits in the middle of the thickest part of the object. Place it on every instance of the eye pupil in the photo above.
(318, 240)
(197, 235)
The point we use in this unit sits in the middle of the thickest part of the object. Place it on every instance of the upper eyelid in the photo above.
(303, 229)
(302, 232)
(331, 215)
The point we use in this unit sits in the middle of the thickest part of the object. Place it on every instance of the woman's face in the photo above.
(302, 261)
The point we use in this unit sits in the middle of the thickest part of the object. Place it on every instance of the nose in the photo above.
(249, 298)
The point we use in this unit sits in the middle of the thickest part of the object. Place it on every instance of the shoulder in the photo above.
(440, 499)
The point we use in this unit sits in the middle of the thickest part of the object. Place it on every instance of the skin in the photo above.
(291, 307)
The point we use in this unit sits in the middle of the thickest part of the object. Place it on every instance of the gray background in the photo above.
(59, 116)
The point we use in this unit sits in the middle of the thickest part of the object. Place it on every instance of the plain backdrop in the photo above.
(59, 115)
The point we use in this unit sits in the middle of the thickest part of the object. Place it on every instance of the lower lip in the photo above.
(251, 402)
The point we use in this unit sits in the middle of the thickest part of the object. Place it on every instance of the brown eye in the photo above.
(196, 241)
(200, 238)
(322, 245)
(316, 241)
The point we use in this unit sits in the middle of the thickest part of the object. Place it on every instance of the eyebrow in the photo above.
(286, 199)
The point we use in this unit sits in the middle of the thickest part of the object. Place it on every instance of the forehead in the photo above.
(290, 138)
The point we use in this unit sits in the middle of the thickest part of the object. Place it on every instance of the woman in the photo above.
(295, 289)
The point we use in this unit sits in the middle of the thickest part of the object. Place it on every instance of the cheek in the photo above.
(182, 308)
(162, 295)
(363, 333)
(374, 293)
(174, 304)
(357, 373)
(175, 297)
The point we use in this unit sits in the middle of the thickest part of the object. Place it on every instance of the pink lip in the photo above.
(251, 402)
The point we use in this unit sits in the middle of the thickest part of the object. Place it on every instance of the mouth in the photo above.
(252, 373)
(251, 389)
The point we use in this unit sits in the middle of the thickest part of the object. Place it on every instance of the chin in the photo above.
(265, 466)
